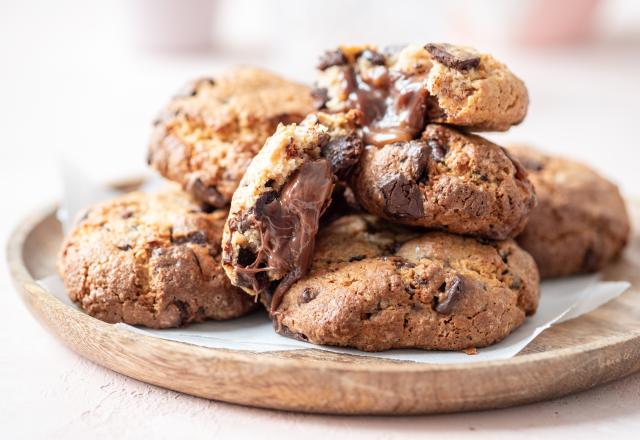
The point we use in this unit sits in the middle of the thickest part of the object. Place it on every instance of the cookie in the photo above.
(375, 287)
(401, 89)
(207, 135)
(446, 180)
(269, 235)
(152, 260)
(580, 223)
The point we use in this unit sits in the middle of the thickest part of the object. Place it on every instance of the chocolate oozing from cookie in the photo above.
(394, 105)
(455, 57)
(288, 224)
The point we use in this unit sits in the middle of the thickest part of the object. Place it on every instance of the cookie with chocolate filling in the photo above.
(269, 235)
(207, 135)
(152, 260)
(401, 89)
(375, 287)
(580, 223)
(446, 180)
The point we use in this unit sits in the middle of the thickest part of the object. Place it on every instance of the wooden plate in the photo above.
(593, 349)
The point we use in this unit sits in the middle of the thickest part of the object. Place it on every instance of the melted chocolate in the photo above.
(288, 224)
(394, 105)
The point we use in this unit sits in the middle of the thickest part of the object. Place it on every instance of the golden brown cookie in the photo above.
(401, 89)
(274, 215)
(580, 223)
(374, 287)
(152, 260)
(207, 135)
(445, 180)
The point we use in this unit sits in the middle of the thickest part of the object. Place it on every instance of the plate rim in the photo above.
(31, 291)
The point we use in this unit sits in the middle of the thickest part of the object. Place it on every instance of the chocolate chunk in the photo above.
(183, 308)
(343, 153)
(374, 57)
(195, 237)
(434, 111)
(402, 197)
(439, 150)
(416, 153)
(331, 58)
(284, 331)
(208, 194)
(246, 257)
(453, 56)
(308, 295)
(320, 97)
(124, 247)
(452, 295)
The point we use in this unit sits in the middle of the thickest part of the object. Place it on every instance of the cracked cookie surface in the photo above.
(445, 180)
(400, 89)
(580, 223)
(207, 135)
(375, 286)
(269, 235)
(152, 260)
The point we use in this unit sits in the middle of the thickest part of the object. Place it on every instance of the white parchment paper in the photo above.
(560, 300)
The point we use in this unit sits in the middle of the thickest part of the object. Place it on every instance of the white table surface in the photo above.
(95, 110)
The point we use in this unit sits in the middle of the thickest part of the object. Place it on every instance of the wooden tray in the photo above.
(596, 348)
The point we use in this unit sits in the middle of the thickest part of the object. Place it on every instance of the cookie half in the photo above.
(375, 287)
(207, 135)
(152, 260)
(269, 235)
(446, 180)
(580, 223)
(400, 89)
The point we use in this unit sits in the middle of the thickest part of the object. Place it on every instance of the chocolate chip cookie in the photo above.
(269, 235)
(400, 89)
(445, 180)
(580, 223)
(207, 135)
(373, 286)
(152, 260)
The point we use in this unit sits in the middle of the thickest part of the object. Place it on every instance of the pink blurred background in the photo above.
(83, 79)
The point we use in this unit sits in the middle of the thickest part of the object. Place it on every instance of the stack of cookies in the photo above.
(361, 212)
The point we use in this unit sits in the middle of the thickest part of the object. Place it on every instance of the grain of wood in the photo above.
(595, 348)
